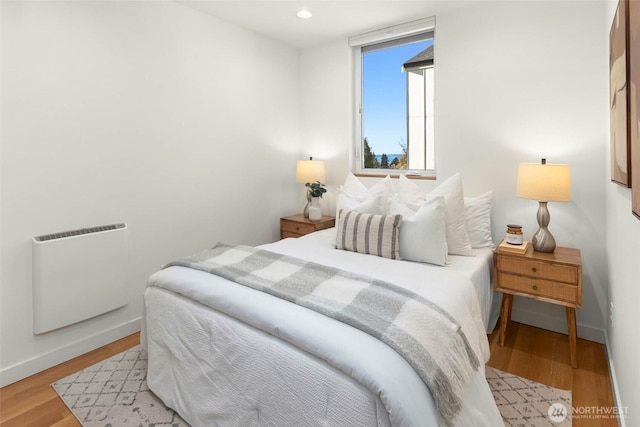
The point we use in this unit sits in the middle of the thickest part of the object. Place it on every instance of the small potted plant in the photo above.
(315, 190)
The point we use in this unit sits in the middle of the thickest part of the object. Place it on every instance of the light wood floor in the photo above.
(543, 356)
(532, 353)
(32, 402)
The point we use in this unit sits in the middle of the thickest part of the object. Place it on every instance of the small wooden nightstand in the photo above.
(551, 277)
(298, 225)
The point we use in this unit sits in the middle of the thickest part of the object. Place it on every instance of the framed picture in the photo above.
(634, 102)
(619, 96)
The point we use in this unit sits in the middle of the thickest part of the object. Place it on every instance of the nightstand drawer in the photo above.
(539, 288)
(298, 225)
(542, 270)
(287, 234)
(296, 228)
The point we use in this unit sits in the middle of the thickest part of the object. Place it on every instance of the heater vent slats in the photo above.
(78, 232)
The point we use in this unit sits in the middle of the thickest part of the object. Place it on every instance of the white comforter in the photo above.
(378, 368)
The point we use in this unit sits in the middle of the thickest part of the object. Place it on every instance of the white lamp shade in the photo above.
(543, 182)
(310, 171)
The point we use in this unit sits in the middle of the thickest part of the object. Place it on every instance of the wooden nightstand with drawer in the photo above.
(550, 277)
(298, 225)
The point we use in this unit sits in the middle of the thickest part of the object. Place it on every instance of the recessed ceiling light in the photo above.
(304, 14)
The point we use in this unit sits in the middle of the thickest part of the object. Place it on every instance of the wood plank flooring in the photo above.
(543, 356)
(532, 353)
(32, 402)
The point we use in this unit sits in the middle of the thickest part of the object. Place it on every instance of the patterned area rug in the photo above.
(114, 393)
(527, 403)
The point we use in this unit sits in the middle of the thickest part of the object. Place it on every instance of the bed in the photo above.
(287, 347)
(240, 357)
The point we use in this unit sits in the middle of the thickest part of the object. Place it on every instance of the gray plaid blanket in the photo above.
(427, 337)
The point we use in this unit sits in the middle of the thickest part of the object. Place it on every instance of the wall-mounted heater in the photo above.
(77, 275)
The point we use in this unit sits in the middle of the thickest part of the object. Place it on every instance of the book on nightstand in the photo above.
(516, 249)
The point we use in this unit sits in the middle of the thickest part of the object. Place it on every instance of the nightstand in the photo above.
(298, 225)
(550, 277)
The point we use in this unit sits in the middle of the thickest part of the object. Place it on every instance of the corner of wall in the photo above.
(613, 379)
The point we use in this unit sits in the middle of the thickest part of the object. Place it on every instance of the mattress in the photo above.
(283, 365)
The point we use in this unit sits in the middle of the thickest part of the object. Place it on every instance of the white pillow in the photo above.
(423, 233)
(384, 187)
(410, 193)
(478, 219)
(398, 208)
(353, 192)
(371, 205)
(352, 186)
(457, 236)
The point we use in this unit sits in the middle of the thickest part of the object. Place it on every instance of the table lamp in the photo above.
(308, 171)
(544, 183)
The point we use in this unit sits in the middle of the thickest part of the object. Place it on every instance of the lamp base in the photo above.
(306, 208)
(543, 241)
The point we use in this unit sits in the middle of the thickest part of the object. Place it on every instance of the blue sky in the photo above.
(384, 96)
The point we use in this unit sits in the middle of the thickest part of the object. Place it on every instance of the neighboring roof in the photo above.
(422, 60)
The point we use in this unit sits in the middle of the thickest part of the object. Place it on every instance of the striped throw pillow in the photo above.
(369, 234)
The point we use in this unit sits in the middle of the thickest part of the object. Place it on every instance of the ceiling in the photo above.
(332, 19)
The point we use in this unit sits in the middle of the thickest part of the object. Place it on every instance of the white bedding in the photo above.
(478, 268)
(284, 365)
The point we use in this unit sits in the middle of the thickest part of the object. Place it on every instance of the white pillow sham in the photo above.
(352, 186)
(423, 233)
(478, 219)
(354, 192)
(410, 194)
(371, 205)
(457, 235)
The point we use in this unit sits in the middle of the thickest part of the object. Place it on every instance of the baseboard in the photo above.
(44, 361)
(614, 380)
(542, 320)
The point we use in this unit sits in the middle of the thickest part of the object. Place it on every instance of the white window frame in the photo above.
(357, 43)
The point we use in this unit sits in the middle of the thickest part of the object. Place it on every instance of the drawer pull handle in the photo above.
(297, 228)
(535, 287)
(534, 269)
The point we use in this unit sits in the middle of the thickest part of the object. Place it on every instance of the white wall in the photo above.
(326, 124)
(149, 113)
(623, 253)
(515, 81)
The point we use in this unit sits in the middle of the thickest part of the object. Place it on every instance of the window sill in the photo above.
(382, 174)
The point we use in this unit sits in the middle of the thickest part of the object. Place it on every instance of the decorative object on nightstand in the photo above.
(514, 234)
(550, 277)
(298, 225)
(309, 172)
(315, 211)
(316, 190)
(544, 183)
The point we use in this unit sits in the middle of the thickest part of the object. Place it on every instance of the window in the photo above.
(394, 77)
